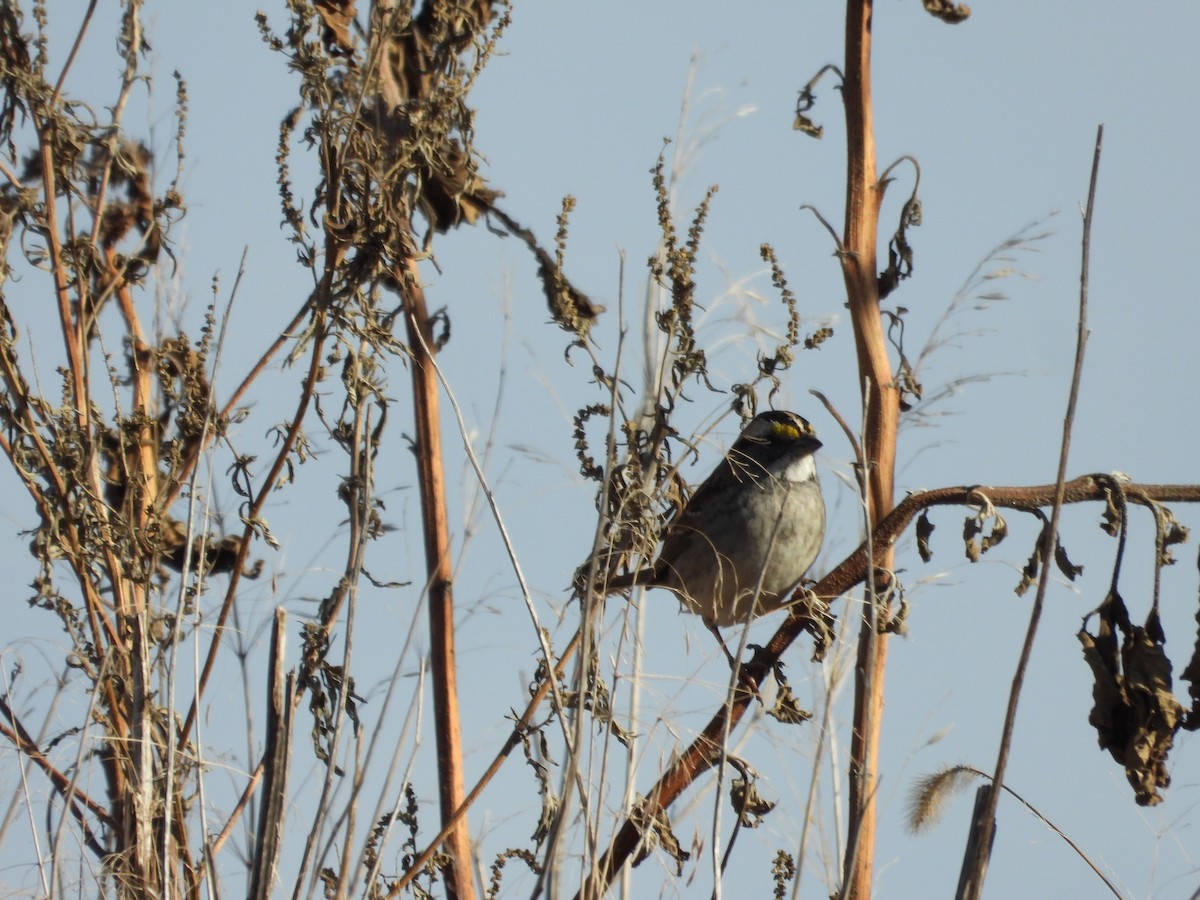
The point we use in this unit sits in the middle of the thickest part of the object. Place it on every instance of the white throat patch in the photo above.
(803, 469)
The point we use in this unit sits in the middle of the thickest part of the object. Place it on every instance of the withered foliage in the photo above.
(1135, 712)
(110, 453)
(107, 452)
(641, 488)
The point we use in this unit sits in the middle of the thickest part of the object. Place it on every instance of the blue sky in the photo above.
(1001, 113)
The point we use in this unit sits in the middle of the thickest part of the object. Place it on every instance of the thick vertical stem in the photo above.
(459, 881)
(276, 760)
(863, 197)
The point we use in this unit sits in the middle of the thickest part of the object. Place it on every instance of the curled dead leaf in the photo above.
(924, 530)
(748, 803)
(1135, 712)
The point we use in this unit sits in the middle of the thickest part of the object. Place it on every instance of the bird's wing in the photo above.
(684, 526)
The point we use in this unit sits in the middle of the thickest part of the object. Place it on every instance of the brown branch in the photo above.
(99, 623)
(101, 626)
(284, 336)
(77, 799)
(72, 336)
(140, 465)
(443, 664)
(76, 44)
(701, 754)
(417, 865)
(71, 327)
(358, 498)
(176, 483)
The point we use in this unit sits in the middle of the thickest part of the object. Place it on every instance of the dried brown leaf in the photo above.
(1064, 564)
(657, 834)
(786, 707)
(924, 530)
(998, 533)
(948, 12)
(337, 17)
(1191, 674)
(971, 530)
(751, 807)
(1135, 712)
(1172, 533)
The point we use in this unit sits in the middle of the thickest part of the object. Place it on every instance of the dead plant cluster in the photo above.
(110, 444)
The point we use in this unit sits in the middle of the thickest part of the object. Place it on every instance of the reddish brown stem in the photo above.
(864, 194)
(72, 338)
(24, 742)
(431, 478)
(417, 865)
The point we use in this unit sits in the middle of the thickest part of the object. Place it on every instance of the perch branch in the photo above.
(701, 754)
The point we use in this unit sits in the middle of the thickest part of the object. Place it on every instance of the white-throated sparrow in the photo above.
(751, 530)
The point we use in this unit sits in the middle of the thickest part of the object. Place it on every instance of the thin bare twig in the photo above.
(334, 252)
(72, 790)
(21, 739)
(411, 725)
(358, 501)
(514, 740)
(975, 869)
(851, 437)
(267, 847)
(75, 45)
(29, 806)
(189, 560)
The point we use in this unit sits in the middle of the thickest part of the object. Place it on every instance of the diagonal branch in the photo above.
(24, 742)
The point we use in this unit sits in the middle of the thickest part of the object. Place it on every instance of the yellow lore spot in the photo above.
(785, 430)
